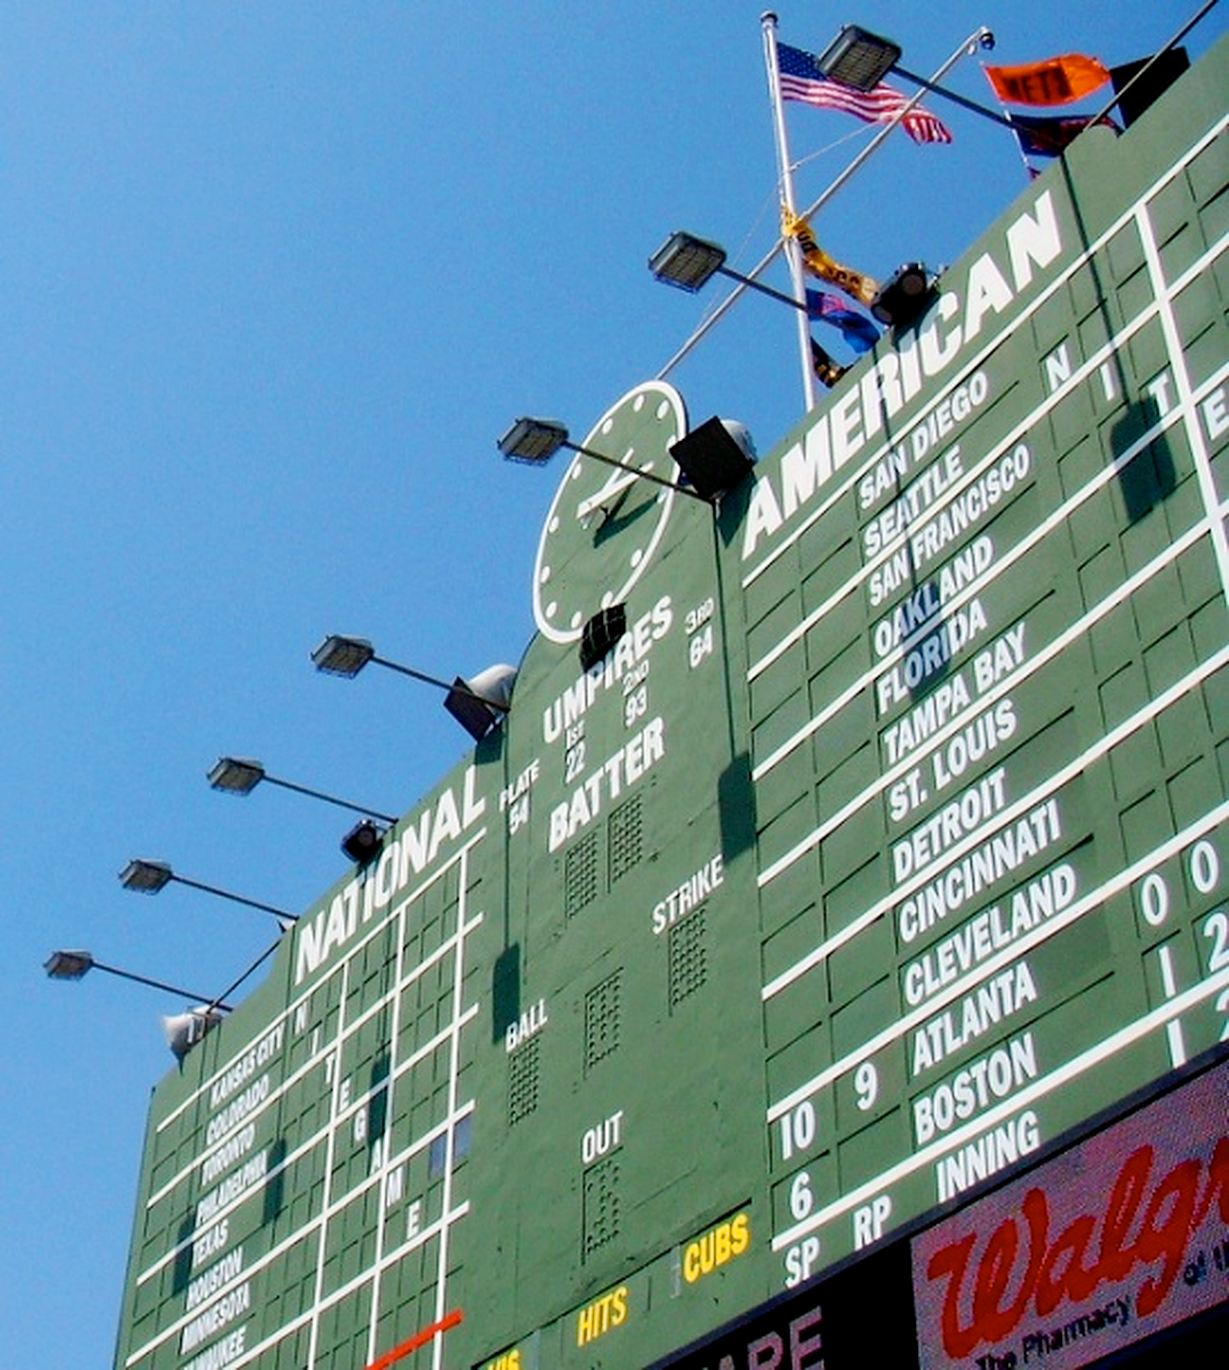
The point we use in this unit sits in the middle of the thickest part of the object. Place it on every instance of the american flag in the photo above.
(801, 79)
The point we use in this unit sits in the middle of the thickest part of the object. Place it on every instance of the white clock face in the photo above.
(606, 523)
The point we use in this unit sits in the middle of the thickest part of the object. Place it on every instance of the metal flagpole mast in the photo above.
(970, 45)
(1028, 170)
(768, 21)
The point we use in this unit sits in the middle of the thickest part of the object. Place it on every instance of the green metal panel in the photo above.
(895, 822)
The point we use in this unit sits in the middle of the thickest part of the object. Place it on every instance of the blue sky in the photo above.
(274, 276)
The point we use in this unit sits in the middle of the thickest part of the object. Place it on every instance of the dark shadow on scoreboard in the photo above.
(934, 651)
(182, 1270)
(377, 1109)
(736, 807)
(275, 1185)
(731, 511)
(505, 991)
(1149, 476)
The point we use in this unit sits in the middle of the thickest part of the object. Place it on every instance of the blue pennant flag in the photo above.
(856, 329)
(1050, 136)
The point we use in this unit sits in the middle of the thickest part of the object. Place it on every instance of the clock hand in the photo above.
(615, 486)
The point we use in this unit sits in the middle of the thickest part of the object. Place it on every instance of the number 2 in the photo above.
(1217, 928)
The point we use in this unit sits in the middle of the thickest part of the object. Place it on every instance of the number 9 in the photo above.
(866, 1083)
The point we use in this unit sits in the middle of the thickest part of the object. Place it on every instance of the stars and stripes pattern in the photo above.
(801, 79)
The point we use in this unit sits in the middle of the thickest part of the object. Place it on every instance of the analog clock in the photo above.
(605, 523)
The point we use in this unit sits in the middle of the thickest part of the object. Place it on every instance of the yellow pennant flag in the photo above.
(860, 287)
(828, 371)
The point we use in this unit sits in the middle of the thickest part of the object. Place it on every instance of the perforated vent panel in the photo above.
(688, 957)
(601, 1206)
(523, 1071)
(625, 838)
(580, 882)
(602, 1020)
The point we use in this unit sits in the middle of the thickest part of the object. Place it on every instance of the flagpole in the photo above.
(768, 22)
(1156, 56)
(970, 45)
(1028, 170)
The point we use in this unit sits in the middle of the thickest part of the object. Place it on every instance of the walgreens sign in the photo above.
(1118, 1238)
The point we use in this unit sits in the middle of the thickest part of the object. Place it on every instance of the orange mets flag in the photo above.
(1056, 81)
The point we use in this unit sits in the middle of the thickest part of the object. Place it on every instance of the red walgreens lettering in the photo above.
(1061, 1269)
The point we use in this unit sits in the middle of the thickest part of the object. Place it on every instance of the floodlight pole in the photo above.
(987, 40)
(157, 984)
(280, 914)
(970, 45)
(251, 970)
(154, 984)
(445, 685)
(797, 270)
(635, 471)
(328, 798)
(762, 288)
(966, 49)
(1143, 71)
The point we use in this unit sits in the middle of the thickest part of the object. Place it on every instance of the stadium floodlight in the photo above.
(345, 656)
(689, 263)
(146, 877)
(149, 877)
(182, 1030)
(238, 775)
(75, 965)
(533, 442)
(70, 965)
(860, 60)
(601, 633)
(477, 704)
(905, 296)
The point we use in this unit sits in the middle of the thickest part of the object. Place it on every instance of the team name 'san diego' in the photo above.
(993, 283)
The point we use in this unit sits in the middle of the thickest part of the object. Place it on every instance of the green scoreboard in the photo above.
(872, 870)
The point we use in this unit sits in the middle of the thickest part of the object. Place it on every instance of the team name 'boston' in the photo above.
(844, 428)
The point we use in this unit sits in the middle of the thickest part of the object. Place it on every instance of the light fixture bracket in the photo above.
(601, 633)
(363, 841)
(712, 459)
(905, 296)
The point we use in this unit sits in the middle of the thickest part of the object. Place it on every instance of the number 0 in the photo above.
(1205, 867)
(1154, 899)
(798, 1129)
